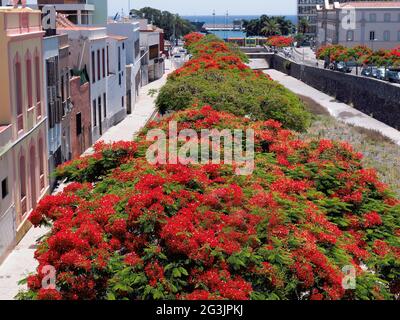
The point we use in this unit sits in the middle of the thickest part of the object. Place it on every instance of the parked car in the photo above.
(393, 75)
(369, 71)
(341, 67)
(380, 73)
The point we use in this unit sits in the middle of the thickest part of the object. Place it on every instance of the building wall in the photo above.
(307, 9)
(132, 44)
(22, 107)
(98, 88)
(65, 94)
(80, 100)
(116, 82)
(333, 28)
(100, 14)
(52, 103)
(8, 225)
(84, 42)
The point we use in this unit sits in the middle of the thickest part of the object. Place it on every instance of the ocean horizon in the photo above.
(219, 19)
(222, 19)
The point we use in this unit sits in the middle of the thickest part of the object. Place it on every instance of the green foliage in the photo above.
(172, 24)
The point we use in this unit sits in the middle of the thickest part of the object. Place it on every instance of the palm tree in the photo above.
(304, 24)
(271, 28)
(286, 25)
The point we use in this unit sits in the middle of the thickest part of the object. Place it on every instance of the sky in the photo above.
(206, 7)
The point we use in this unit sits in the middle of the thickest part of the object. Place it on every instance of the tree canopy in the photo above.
(172, 23)
(269, 26)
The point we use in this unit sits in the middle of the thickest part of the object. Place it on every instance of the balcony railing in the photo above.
(24, 208)
(20, 122)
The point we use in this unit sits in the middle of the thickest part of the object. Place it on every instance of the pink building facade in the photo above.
(23, 136)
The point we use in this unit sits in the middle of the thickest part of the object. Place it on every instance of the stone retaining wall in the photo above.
(378, 99)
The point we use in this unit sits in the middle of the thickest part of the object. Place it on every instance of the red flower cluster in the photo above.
(280, 41)
(360, 54)
(213, 55)
(140, 231)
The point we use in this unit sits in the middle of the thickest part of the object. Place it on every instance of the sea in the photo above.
(219, 19)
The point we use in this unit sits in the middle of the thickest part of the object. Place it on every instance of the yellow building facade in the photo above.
(23, 137)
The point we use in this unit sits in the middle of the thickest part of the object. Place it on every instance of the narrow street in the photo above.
(21, 260)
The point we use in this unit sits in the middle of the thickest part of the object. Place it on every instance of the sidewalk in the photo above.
(21, 260)
(339, 110)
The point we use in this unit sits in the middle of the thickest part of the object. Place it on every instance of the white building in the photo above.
(375, 24)
(130, 30)
(116, 82)
(151, 47)
(88, 48)
(306, 9)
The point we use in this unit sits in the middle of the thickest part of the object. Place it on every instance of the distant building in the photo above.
(307, 9)
(80, 12)
(375, 24)
(23, 142)
(152, 49)
(130, 30)
(88, 48)
(80, 117)
(116, 82)
(103, 60)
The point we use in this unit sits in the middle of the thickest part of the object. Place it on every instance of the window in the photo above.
(387, 17)
(18, 95)
(100, 109)
(105, 104)
(4, 188)
(94, 114)
(22, 177)
(78, 124)
(38, 88)
(137, 49)
(386, 35)
(372, 35)
(93, 67)
(153, 51)
(119, 58)
(372, 17)
(41, 165)
(98, 65)
(103, 58)
(29, 81)
(41, 157)
(62, 89)
(123, 102)
(350, 35)
(123, 45)
(108, 61)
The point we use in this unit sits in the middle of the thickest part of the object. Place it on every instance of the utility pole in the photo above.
(226, 24)
(215, 26)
